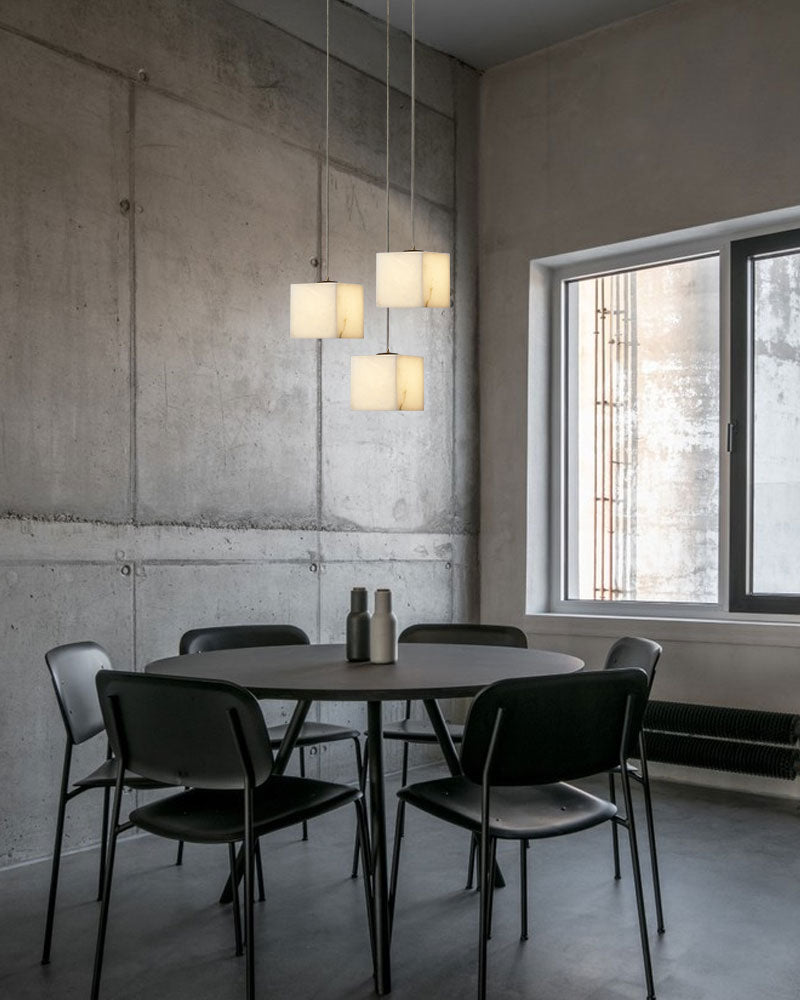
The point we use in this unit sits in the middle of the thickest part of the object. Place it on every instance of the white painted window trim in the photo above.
(545, 610)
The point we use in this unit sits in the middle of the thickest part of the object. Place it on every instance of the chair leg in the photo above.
(473, 854)
(612, 795)
(637, 882)
(179, 857)
(523, 888)
(485, 887)
(237, 915)
(360, 770)
(62, 809)
(109, 873)
(260, 873)
(399, 823)
(363, 845)
(302, 775)
(651, 836)
(103, 842)
(249, 856)
(492, 887)
(403, 783)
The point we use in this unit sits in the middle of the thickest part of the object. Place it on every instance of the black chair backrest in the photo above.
(183, 731)
(554, 728)
(633, 652)
(466, 635)
(73, 668)
(204, 640)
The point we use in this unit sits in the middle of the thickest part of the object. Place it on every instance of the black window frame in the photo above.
(743, 253)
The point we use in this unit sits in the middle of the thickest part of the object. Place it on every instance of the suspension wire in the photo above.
(388, 5)
(327, 139)
(413, 115)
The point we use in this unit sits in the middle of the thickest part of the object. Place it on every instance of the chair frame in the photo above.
(67, 794)
(651, 651)
(248, 785)
(213, 637)
(473, 634)
(487, 844)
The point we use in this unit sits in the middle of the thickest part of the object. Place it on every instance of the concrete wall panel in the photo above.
(368, 481)
(44, 606)
(466, 410)
(420, 592)
(361, 42)
(198, 467)
(228, 220)
(171, 599)
(64, 416)
(217, 56)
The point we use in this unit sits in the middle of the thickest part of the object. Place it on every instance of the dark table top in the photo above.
(321, 673)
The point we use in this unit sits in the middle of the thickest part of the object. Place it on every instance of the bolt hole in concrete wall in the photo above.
(169, 458)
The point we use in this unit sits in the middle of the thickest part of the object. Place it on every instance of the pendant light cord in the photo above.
(413, 115)
(327, 139)
(388, 247)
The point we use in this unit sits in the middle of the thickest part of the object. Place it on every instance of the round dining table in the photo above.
(423, 671)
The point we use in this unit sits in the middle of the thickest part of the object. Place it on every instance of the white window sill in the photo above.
(755, 632)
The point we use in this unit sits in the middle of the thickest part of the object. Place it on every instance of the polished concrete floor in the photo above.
(730, 873)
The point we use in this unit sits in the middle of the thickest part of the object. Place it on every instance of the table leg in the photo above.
(279, 766)
(377, 808)
(443, 735)
(451, 758)
(301, 710)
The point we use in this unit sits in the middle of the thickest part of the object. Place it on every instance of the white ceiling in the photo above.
(484, 33)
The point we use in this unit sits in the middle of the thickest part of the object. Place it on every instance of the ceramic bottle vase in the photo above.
(383, 629)
(358, 626)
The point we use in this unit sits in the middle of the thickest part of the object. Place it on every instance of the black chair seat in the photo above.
(419, 731)
(217, 817)
(524, 813)
(105, 776)
(313, 733)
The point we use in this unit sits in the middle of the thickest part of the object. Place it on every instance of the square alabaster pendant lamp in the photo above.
(387, 382)
(412, 279)
(326, 310)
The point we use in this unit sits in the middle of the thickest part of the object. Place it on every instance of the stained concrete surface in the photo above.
(158, 429)
(729, 867)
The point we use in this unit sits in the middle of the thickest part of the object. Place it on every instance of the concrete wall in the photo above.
(168, 457)
(678, 118)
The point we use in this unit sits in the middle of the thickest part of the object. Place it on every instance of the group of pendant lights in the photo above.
(411, 278)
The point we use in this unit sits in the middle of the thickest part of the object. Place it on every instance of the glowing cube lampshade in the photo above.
(387, 382)
(326, 310)
(413, 278)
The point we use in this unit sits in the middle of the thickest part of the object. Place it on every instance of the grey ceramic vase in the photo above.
(383, 629)
(358, 626)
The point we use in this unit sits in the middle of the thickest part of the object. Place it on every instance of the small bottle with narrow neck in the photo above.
(358, 626)
(383, 629)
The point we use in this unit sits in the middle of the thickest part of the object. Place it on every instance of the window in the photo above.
(665, 503)
(765, 422)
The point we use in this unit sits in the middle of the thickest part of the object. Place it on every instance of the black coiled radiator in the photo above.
(741, 740)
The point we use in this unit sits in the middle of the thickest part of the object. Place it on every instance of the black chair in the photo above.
(523, 740)
(643, 653)
(73, 668)
(410, 730)
(204, 640)
(625, 653)
(209, 736)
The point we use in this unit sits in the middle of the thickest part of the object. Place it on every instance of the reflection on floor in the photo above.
(730, 871)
